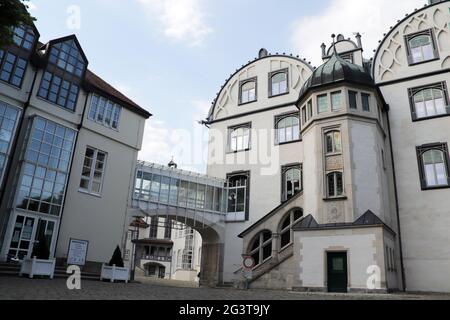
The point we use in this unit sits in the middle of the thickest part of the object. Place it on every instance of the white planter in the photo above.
(37, 267)
(115, 273)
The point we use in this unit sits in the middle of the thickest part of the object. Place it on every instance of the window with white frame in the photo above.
(421, 47)
(93, 171)
(287, 128)
(365, 100)
(434, 165)
(322, 103)
(278, 83)
(333, 143)
(247, 91)
(239, 138)
(335, 185)
(429, 101)
(291, 181)
(105, 112)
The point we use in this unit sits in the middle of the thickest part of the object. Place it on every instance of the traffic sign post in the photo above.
(248, 263)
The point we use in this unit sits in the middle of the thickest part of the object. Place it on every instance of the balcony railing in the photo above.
(156, 258)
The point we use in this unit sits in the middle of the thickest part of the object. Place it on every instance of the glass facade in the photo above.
(24, 37)
(67, 57)
(174, 191)
(12, 68)
(59, 91)
(8, 121)
(45, 167)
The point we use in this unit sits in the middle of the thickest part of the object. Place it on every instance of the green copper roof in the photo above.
(334, 70)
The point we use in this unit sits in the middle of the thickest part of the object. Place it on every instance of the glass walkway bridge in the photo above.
(197, 200)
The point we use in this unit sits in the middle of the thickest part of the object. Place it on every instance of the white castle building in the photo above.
(338, 177)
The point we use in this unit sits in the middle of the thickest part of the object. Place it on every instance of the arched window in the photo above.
(286, 233)
(278, 82)
(333, 143)
(288, 129)
(247, 91)
(292, 181)
(429, 102)
(435, 168)
(335, 184)
(261, 247)
(421, 48)
(240, 139)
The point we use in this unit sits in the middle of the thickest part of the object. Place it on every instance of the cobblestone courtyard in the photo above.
(28, 289)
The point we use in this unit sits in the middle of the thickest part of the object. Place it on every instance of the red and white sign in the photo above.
(248, 263)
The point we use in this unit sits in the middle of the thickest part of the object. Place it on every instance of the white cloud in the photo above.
(181, 20)
(187, 146)
(371, 18)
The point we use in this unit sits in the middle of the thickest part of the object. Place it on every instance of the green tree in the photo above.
(13, 13)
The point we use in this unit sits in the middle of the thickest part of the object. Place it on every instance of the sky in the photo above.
(172, 56)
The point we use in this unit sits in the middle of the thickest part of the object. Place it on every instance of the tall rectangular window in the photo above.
(352, 99)
(239, 138)
(310, 109)
(12, 68)
(93, 171)
(59, 91)
(434, 166)
(322, 103)
(105, 112)
(8, 122)
(45, 167)
(336, 101)
(365, 99)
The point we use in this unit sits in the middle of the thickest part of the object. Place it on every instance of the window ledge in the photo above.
(244, 103)
(340, 198)
(422, 62)
(288, 142)
(431, 117)
(278, 95)
(238, 151)
(435, 188)
(89, 193)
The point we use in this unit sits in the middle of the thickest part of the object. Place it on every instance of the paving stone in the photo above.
(43, 289)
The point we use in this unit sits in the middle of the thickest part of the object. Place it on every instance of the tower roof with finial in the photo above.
(336, 69)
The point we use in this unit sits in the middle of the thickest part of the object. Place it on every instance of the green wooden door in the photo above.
(337, 271)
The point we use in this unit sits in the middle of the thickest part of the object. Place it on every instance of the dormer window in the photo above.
(67, 57)
(421, 47)
(278, 83)
(247, 91)
(24, 37)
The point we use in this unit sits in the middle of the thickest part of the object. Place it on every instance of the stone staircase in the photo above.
(13, 270)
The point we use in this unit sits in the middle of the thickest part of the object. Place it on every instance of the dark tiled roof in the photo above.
(335, 70)
(95, 82)
(98, 83)
(368, 219)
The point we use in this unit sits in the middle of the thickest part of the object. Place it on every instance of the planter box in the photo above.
(37, 267)
(115, 273)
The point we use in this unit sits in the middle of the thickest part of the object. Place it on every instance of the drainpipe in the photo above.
(396, 205)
